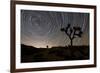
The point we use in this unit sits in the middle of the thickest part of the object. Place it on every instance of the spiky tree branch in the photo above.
(72, 32)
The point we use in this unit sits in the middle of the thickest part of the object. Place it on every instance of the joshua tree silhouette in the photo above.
(72, 32)
(47, 46)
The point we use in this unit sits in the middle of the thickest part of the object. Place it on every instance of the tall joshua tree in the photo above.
(72, 32)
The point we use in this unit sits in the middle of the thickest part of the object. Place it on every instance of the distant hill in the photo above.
(27, 50)
(57, 53)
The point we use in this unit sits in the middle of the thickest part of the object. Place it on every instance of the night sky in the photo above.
(42, 28)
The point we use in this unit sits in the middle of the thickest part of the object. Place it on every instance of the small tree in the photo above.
(47, 46)
(72, 32)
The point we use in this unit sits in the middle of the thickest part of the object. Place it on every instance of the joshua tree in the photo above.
(47, 46)
(72, 32)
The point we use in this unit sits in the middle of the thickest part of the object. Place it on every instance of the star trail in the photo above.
(42, 28)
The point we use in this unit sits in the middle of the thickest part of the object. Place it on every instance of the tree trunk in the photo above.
(71, 42)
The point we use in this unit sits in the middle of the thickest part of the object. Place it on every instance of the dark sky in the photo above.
(42, 28)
